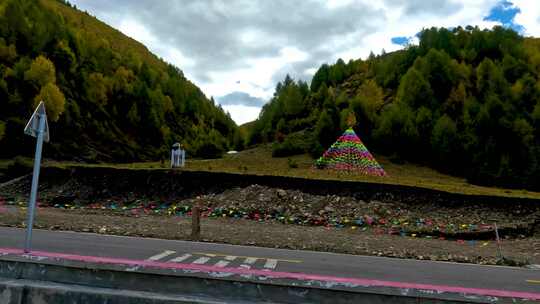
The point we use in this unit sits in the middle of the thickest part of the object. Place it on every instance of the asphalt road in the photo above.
(307, 262)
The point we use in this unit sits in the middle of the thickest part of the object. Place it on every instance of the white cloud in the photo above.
(398, 24)
(242, 114)
(256, 79)
(137, 31)
(250, 36)
(338, 3)
(176, 57)
(310, 71)
(247, 46)
(529, 16)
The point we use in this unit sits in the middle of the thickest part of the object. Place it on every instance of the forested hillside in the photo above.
(108, 98)
(464, 101)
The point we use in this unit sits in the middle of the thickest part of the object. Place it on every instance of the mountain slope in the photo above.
(108, 97)
(465, 101)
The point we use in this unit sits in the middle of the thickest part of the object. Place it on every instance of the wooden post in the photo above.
(196, 220)
(501, 257)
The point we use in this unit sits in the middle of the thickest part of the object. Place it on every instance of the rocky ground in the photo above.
(286, 218)
(263, 203)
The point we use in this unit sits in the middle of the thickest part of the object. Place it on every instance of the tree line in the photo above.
(465, 101)
(107, 97)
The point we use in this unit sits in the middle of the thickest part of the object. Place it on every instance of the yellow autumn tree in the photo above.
(371, 98)
(98, 87)
(54, 100)
(41, 72)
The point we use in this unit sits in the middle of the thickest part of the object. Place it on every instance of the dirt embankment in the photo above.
(381, 216)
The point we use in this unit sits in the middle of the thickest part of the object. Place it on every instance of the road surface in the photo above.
(291, 261)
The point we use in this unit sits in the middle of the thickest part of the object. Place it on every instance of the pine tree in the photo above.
(414, 90)
(324, 129)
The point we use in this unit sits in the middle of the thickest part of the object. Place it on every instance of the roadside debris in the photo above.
(261, 203)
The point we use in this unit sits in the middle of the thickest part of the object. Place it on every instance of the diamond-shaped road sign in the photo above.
(33, 124)
(37, 126)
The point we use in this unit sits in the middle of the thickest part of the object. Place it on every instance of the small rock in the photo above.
(329, 209)
(281, 193)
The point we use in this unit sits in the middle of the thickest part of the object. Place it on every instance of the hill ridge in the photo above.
(109, 97)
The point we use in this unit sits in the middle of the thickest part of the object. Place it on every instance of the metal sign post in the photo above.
(37, 127)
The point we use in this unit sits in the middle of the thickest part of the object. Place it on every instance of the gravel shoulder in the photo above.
(278, 235)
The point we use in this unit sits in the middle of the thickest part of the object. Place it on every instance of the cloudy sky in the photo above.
(237, 50)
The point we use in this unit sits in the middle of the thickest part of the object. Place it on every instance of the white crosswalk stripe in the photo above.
(248, 262)
(222, 263)
(215, 259)
(270, 264)
(161, 255)
(201, 260)
(181, 258)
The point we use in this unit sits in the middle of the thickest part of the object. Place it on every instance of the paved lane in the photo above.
(308, 262)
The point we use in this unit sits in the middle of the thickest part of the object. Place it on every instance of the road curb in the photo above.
(227, 285)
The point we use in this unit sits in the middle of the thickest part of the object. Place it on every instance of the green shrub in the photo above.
(210, 150)
(316, 150)
(292, 163)
(294, 144)
(286, 148)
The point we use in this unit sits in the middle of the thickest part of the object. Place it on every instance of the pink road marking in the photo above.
(277, 274)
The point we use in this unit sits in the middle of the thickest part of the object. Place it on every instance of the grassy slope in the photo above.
(259, 161)
(96, 28)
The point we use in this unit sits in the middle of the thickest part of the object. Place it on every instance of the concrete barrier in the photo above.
(41, 280)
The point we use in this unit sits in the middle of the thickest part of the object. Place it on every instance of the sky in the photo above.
(238, 50)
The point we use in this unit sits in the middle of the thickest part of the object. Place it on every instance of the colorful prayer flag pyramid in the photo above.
(349, 153)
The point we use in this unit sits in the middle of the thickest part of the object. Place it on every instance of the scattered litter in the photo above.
(261, 203)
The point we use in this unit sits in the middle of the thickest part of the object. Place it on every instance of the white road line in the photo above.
(181, 258)
(270, 264)
(201, 260)
(245, 266)
(222, 263)
(230, 258)
(161, 255)
(250, 260)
